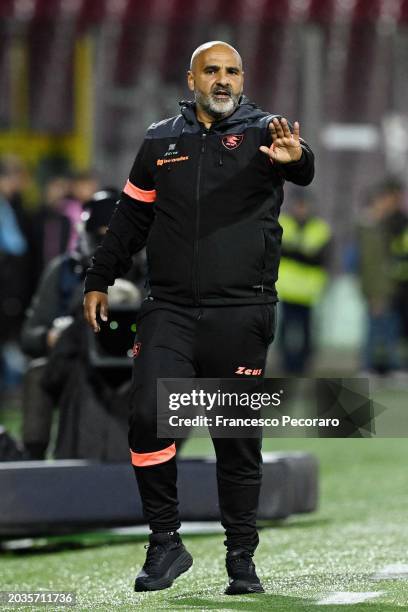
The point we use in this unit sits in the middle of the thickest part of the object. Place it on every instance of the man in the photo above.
(302, 279)
(204, 194)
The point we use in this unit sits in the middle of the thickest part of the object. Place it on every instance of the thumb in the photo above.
(269, 152)
(266, 150)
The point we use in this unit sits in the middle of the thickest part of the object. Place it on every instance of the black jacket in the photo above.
(206, 204)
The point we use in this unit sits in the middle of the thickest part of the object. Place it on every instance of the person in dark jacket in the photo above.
(204, 196)
(51, 311)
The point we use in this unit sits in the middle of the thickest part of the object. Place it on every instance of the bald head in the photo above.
(210, 45)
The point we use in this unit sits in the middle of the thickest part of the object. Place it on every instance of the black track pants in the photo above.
(185, 342)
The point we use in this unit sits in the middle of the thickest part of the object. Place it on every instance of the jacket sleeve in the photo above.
(300, 172)
(128, 228)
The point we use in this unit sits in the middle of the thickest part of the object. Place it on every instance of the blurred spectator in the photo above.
(51, 227)
(57, 298)
(19, 179)
(83, 186)
(383, 268)
(302, 278)
(12, 239)
(13, 247)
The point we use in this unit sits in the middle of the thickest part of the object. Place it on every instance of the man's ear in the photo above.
(190, 80)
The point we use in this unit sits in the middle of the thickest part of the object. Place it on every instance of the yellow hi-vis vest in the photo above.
(299, 282)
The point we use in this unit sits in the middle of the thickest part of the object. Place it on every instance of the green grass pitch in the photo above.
(360, 528)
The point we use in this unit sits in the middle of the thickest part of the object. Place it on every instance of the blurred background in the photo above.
(81, 80)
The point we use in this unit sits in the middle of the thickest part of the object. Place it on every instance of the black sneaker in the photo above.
(242, 574)
(166, 559)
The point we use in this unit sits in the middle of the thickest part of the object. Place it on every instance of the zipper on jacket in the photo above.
(260, 287)
(196, 284)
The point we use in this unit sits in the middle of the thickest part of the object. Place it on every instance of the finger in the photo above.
(92, 319)
(273, 132)
(278, 127)
(90, 315)
(296, 130)
(285, 127)
(104, 310)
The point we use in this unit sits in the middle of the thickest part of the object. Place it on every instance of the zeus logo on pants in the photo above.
(248, 371)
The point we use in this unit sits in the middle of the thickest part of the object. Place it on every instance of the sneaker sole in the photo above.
(240, 587)
(178, 567)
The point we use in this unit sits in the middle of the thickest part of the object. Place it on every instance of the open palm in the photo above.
(285, 145)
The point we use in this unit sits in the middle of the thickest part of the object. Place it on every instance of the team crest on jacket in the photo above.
(232, 141)
(136, 349)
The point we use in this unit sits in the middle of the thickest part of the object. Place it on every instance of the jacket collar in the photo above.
(246, 112)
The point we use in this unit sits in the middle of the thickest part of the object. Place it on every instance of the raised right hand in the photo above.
(95, 301)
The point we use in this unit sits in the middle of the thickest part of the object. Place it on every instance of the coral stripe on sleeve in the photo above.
(139, 194)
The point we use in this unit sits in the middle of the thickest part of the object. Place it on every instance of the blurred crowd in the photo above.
(30, 237)
(376, 255)
(44, 347)
(45, 253)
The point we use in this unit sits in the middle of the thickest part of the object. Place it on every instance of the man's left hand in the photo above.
(285, 145)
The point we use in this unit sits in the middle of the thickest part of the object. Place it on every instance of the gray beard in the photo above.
(216, 109)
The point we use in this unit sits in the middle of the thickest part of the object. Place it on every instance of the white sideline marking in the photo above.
(347, 598)
(396, 571)
(188, 527)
